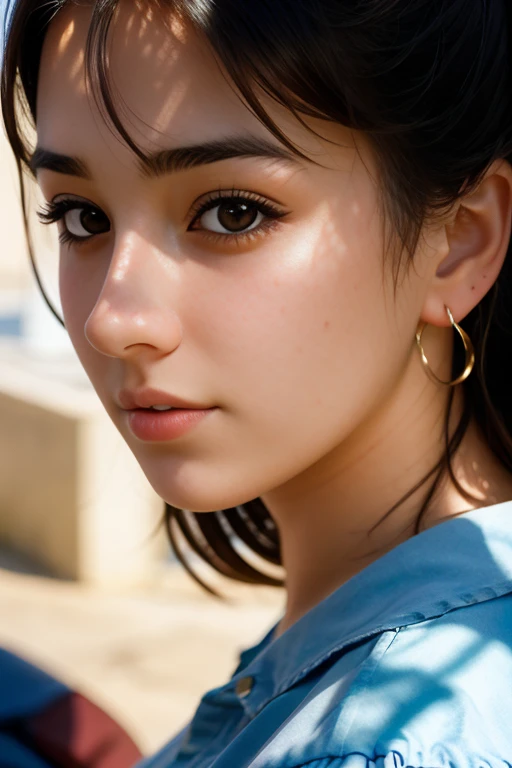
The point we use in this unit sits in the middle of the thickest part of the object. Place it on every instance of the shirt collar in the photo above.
(462, 561)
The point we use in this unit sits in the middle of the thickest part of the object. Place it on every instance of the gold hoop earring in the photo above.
(468, 346)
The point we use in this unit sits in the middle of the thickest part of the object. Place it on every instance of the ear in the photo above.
(476, 240)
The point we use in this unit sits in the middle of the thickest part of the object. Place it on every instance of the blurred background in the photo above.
(88, 587)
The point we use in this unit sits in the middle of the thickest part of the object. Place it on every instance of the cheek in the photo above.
(297, 327)
(78, 296)
(71, 300)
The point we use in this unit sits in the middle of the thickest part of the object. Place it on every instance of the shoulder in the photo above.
(436, 693)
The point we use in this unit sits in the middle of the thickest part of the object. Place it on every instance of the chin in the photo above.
(197, 494)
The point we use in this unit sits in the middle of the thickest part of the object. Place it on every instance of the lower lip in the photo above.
(164, 425)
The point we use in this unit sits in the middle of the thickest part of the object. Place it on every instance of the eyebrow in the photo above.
(167, 161)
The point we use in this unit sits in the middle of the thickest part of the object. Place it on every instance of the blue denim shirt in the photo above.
(409, 663)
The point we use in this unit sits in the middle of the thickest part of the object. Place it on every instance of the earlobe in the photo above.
(478, 239)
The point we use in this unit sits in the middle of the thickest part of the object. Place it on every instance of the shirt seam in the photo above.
(465, 600)
(363, 679)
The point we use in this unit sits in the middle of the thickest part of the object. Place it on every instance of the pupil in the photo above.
(93, 221)
(237, 216)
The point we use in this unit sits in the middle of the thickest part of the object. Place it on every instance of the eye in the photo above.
(84, 222)
(232, 216)
(81, 220)
(236, 213)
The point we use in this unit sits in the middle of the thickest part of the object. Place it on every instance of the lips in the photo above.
(131, 399)
(163, 426)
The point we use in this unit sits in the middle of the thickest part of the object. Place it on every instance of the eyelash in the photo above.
(53, 212)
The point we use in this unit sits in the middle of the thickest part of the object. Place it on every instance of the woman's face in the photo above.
(252, 285)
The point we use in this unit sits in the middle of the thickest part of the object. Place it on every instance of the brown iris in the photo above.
(236, 216)
(94, 221)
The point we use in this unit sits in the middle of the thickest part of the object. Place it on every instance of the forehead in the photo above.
(169, 91)
(164, 78)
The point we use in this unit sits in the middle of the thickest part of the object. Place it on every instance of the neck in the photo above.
(332, 518)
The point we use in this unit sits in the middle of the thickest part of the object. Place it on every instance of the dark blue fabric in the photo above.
(25, 688)
(16, 755)
(409, 663)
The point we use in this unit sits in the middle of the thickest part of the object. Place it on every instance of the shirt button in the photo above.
(244, 686)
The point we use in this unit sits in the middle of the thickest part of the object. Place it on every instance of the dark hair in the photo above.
(427, 81)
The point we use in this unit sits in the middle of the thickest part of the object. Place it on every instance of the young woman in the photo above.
(289, 222)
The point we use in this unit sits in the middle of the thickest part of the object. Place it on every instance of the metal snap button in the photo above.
(244, 686)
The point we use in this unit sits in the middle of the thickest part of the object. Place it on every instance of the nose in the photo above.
(134, 311)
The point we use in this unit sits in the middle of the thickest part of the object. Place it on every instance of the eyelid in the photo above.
(55, 209)
(201, 205)
(223, 193)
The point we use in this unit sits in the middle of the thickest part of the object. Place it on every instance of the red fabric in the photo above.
(75, 733)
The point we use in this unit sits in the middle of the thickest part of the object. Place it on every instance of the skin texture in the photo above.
(295, 333)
